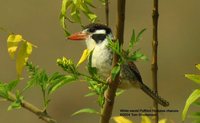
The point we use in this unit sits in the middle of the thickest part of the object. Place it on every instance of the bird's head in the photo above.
(94, 34)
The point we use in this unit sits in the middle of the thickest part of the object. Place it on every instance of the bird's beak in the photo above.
(78, 36)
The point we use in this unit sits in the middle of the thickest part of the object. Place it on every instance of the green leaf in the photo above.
(75, 14)
(86, 110)
(22, 56)
(6, 87)
(196, 103)
(43, 80)
(55, 76)
(193, 77)
(133, 40)
(89, 14)
(101, 100)
(3, 90)
(89, 2)
(90, 94)
(195, 115)
(59, 84)
(192, 98)
(198, 66)
(115, 46)
(17, 103)
(76, 7)
(139, 36)
(75, 2)
(92, 17)
(137, 55)
(11, 85)
(63, 25)
(65, 5)
(34, 75)
(85, 8)
(115, 71)
(14, 105)
(119, 92)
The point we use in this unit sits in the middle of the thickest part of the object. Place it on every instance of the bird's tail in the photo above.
(154, 95)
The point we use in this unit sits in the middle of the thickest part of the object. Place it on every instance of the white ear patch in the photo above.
(102, 31)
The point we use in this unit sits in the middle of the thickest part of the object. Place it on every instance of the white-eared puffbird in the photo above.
(96, 38)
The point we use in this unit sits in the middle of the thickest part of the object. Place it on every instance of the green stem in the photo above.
(84, 75)
(44, 99)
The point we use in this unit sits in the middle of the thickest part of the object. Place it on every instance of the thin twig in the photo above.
(154, 66)
(107, 11)
(111, 91)
(30, 107)
(95, 79)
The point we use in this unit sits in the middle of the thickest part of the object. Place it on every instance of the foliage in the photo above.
(47, 83)
(96, 85)
(76, 7)
(193, 96)
(86, 110)
(128, 55)
(21, 48)
(37, 77)
(17, 103)
(6, 88)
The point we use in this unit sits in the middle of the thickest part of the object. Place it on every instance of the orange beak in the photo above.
(78, 36)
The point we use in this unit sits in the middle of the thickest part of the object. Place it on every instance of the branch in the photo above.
(154, 64)
(107, 11)
(111, 91)
(41, 114)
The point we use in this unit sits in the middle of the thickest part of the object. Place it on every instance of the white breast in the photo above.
(102, 59)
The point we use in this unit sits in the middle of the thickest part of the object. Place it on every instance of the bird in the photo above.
(96, 37)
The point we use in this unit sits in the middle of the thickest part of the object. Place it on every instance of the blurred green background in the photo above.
(38, 22)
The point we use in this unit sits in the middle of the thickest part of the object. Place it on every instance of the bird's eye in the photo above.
(91, 30)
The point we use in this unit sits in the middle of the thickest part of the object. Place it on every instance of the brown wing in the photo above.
(135, 70)
(145, 88)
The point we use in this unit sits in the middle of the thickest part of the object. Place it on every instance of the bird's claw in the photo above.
(106, 97)
(108, 80)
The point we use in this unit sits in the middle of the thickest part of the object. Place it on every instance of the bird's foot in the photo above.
(106, 96)
(109, 79)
